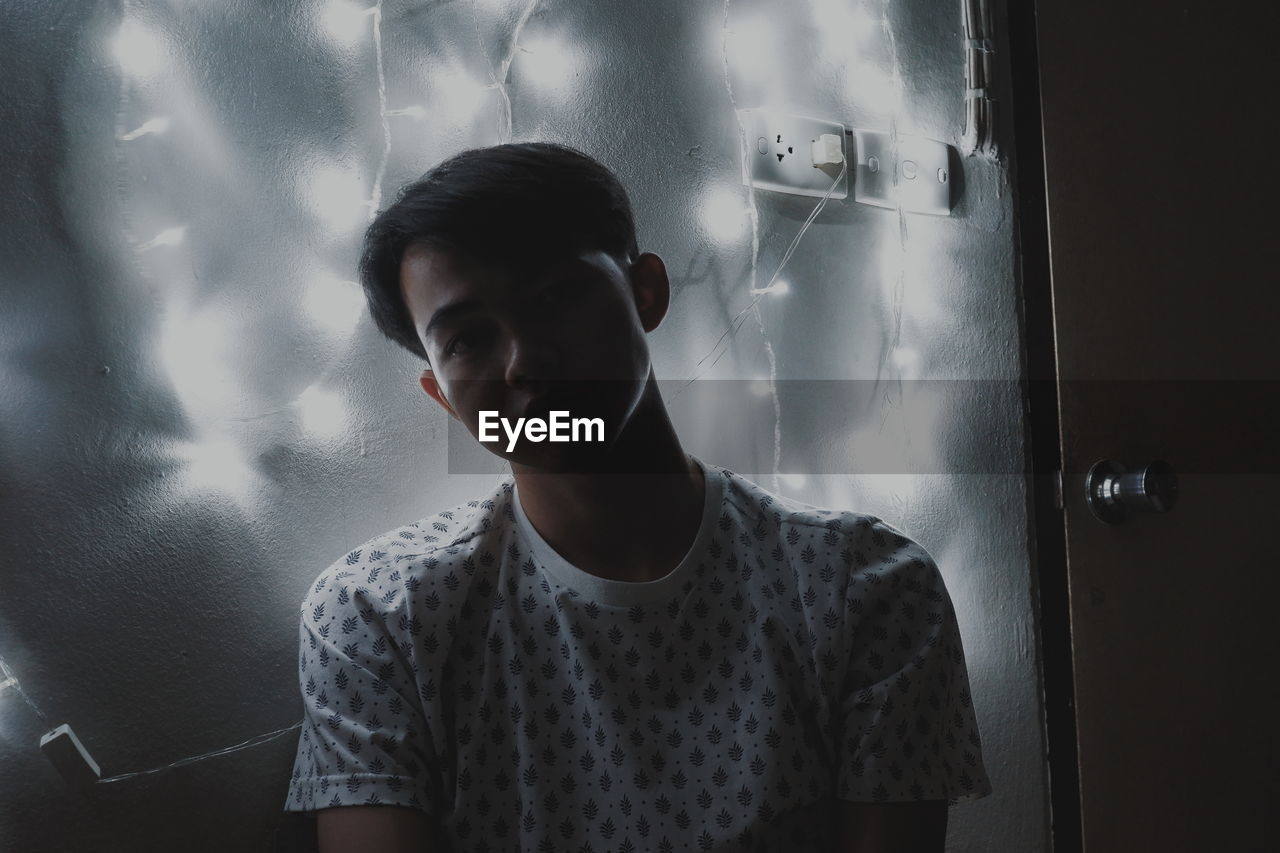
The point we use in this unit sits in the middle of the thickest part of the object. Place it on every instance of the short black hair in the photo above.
(516, 205)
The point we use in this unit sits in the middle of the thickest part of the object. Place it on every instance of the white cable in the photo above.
(253, 741)
(735, 324)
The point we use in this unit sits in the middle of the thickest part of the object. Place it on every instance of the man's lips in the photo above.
(579, 403)
(543, 407)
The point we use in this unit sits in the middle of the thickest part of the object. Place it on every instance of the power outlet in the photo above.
(780, 148)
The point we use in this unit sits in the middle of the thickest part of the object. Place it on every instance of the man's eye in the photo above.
(452, 348)
(555, 292)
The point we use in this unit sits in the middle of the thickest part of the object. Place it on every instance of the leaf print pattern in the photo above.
(796, 656)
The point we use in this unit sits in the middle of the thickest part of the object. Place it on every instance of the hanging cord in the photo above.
(253, 741)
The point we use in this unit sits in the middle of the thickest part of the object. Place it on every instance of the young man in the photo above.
(621, 646)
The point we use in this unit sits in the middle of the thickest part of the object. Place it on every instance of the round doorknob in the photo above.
(1113, 492)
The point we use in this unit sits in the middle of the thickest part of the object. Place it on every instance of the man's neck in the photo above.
(615, 524)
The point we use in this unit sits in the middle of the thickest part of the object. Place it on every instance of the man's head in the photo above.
(538, 241)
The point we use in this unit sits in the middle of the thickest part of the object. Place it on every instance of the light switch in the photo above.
(919, 182)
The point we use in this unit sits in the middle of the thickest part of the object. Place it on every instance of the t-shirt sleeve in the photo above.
(365, 739)
(906, 721)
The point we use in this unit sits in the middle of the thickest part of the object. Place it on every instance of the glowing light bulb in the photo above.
(346, 22)
(216, 463)
(322, 413)
(793, 481)
(778, 288)
(751, 48)
(167, 237)
(339, 198)
(865, 26)
(413, 112)
(841, 27)
(760, 386)
(156, 125)
(459, 95)
(193, 350)
(724, 215)
(335, 305)
(547, 62)
(907, 360)
(137, 49)
(873, 88)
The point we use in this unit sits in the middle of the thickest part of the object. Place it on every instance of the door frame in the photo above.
(1050, 592)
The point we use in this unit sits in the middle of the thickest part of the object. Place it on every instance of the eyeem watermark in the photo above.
(536, 429)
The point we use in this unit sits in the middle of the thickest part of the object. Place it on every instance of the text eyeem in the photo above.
(536, 429)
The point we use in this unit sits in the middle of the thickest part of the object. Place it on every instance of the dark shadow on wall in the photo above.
(296, 833)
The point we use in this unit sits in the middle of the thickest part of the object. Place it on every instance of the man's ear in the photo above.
(429, 384)
(651, 289)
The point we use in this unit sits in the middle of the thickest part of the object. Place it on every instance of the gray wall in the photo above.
(192, 428)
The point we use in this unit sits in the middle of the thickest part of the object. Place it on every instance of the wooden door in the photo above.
(1160, 136)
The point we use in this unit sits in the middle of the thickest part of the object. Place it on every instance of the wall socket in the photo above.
(914, 174)
(780, 151)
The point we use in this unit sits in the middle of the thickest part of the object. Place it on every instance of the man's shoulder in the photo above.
(861, 540)
(443, 541)
(756, 505)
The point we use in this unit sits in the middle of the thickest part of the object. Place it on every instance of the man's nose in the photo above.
(531, 362)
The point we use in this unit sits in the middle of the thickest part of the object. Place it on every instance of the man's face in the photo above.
(567, 334)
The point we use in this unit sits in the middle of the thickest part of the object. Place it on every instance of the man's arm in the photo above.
(919, 827)
(375, 829)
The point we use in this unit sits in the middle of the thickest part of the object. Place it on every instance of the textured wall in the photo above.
(197, 416)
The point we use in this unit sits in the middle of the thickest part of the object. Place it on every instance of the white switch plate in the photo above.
(916, 176)
(780, 152)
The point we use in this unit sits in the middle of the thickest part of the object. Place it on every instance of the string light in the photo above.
(338, 197)
(167, 237)
(778, 288)
(6, 678)
(346, 22)
(841, 27)
(873, 88)
(413, 112)
(794, 481)
(217, 464)
(193, 349)
(335, 305)
(751, 48)
(156, 125)
(323, 413)
(459, 95)
(9, 682)
(724, 215)
(547, 62)
(138, 50)
(907, 361)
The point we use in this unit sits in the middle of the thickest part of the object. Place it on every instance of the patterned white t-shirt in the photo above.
(458, 665)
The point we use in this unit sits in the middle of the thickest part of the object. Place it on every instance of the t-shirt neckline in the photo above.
(622, 593)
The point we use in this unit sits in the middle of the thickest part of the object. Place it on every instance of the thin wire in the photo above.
(736, 323)
(10, 682)
(253, 741)
(505, 68)
(375, 198)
